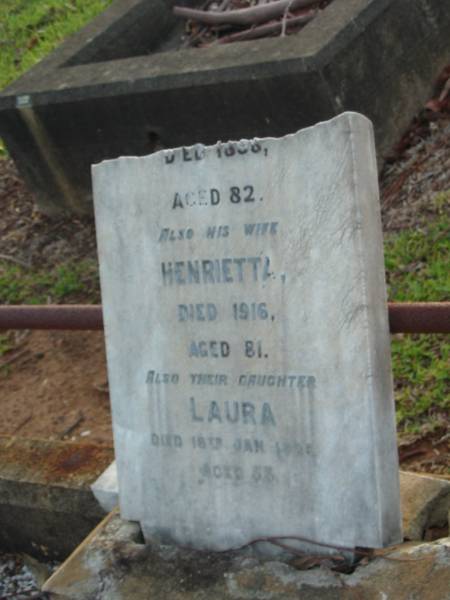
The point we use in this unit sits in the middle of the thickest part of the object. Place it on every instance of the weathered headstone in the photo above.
(247, 340)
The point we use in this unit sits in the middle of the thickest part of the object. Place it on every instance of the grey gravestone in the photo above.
(247, 340)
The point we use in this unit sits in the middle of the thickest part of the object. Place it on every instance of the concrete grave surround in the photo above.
(46, 506)
(119, 87)
(249, 365)
(106, 488)
(425, 504)
(113, 564)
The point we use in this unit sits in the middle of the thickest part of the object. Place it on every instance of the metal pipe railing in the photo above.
(404, 317)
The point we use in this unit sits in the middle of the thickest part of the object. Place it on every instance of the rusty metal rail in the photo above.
(69, 316)
(419, 317)
(404, 317)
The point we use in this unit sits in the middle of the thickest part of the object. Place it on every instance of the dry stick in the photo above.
(336, 557)
(262, 30)
(444, 438)
(103, 388)
(198, 36)
(20, 338)
(445, 91)
(190, 41)
(22, 263)
(14, 358)
(368, 553)
(405, 455)
(284, 19)
(400, 179)
(22, 423)
(243, 16)
(71, 427)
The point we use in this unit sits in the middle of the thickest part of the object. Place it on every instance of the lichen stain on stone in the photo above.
(188, 572)
(269, 585)
(88, 460)
(50, 462)
(115, 566)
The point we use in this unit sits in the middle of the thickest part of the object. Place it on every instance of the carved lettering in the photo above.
(214, 271)
(232, 412)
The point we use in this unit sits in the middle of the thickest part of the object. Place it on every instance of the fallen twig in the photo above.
(102, 387)
(444, 438)
(22, 424)
(390, 192)
(5, 363)
(197, 37)
(191, 41)
(263, 30)
(304, 555)
(284, 19)
(243, 16)
(68, 430)
(17, 261)
(415, 452)
(223, 5)
(369, 553)
(445, 91)
(20, 337)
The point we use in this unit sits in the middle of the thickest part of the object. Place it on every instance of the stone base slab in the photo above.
(46, 504)
(112, 565)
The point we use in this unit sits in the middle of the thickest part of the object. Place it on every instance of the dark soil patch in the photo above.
(54, 383)
(56, 389)
(419, 168)
(426, 452)
(410, 187)
(29, 237)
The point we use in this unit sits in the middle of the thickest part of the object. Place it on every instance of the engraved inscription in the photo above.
(232, 412)
(221, 331)
(217, 270)
(197, 153)
(262, 474)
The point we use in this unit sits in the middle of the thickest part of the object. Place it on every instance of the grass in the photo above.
(422, 381)
(417, 268)
(30, 29)
(72, 281)
(417, 263)
(5, 344)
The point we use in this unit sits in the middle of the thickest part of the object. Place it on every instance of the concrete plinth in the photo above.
(46, 504)
(113, 565)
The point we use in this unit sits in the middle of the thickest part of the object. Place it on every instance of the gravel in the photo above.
(17, 580)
